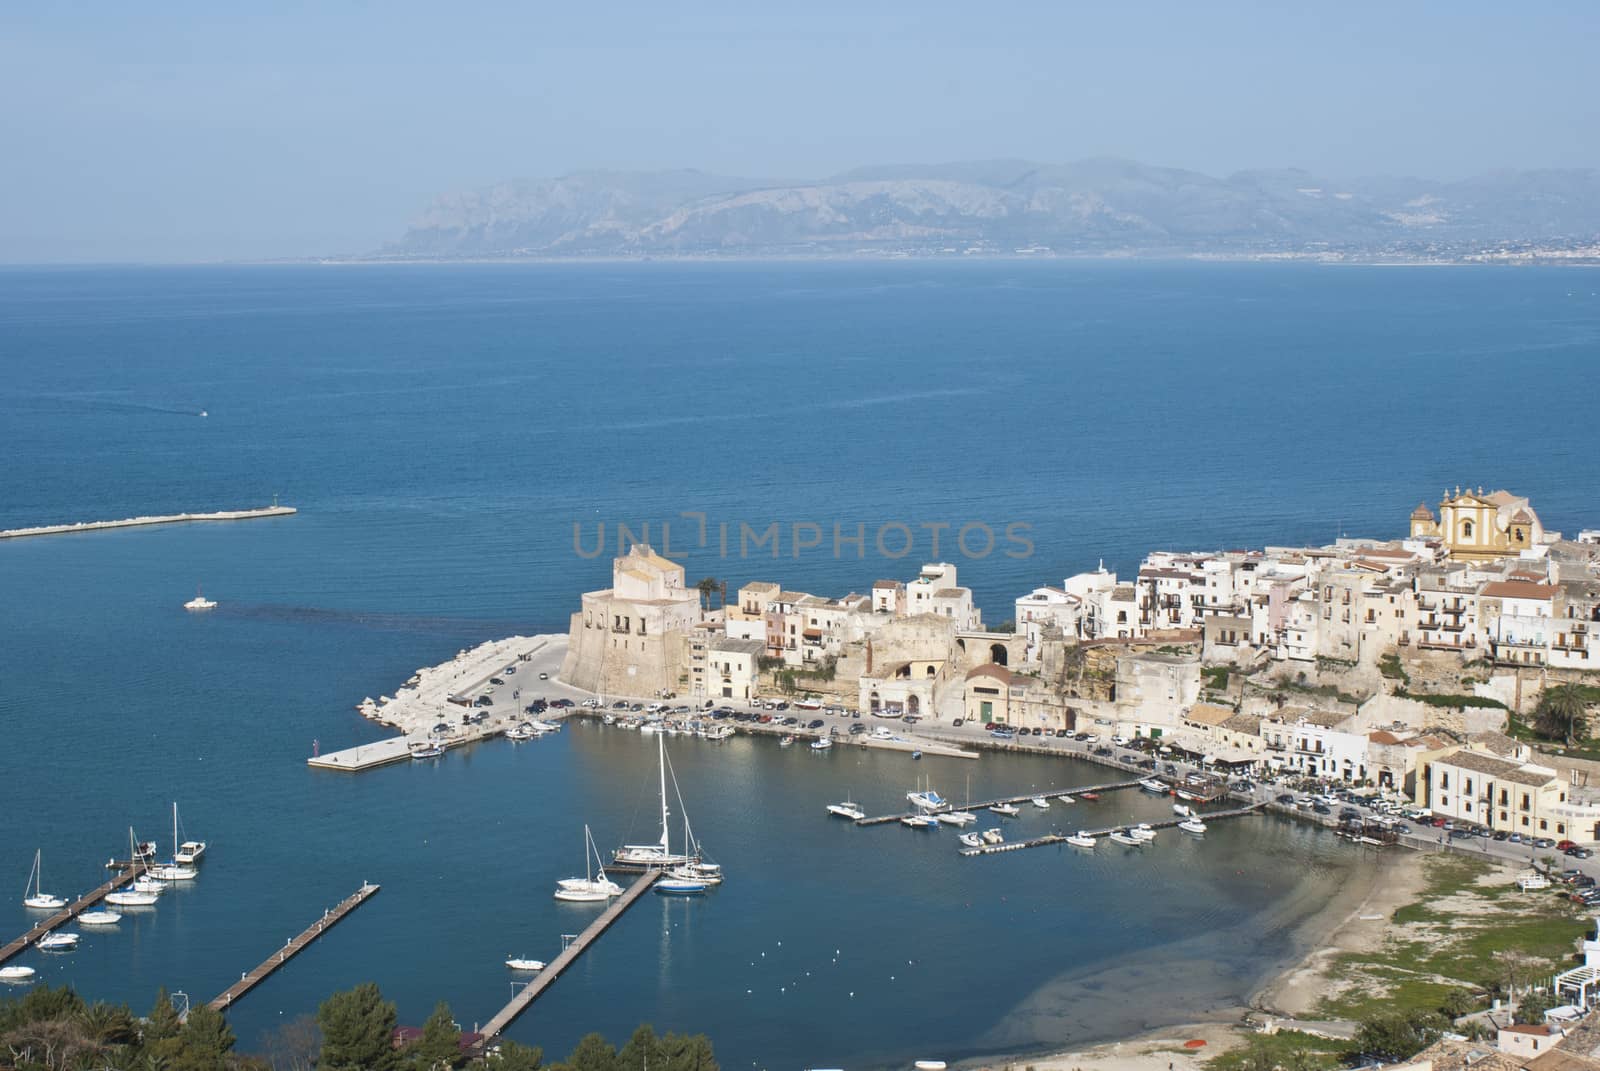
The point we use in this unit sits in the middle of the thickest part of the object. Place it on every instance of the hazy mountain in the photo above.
(1100, 205)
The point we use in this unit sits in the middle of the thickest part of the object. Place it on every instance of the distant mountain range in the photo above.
(1093, 206)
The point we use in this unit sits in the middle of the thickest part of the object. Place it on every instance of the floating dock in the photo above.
(978, 805)
(139, 522)
(251, 979)
(66, 914)
(364, 756)
(1061, 838)
(546, 978)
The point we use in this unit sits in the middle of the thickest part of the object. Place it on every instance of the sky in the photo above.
(201, 131)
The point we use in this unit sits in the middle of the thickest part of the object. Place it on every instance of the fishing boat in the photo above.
(956, 818)
(425, 749)
(919, 821)
(1122, 836)
(1150, 784)
(33, 894)
(993, 836)
(719, 732)
(1188, 794)
(672, 885)
(1081, 840)
(541, 726)
(787, 740)
(650, 856)
(1143, 831)
(16, 974)
(99, 918)
(1010, 810)
(588, 889)
(518, 963)
(846, 810)
(1089, 797)
(822, 743)
(58, 942)
(971, 839)
(1193, 825)
(1181, 810)
(199, 602)
(1040, 802)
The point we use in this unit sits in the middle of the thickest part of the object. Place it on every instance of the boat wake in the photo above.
(93, 402)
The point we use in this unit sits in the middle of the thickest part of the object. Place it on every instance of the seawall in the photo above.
(137, 522)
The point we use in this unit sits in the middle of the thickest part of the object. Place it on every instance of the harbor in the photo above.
(60, 918)
(1051, 839)
(140, 522)
(293, 947)
(1001, 801)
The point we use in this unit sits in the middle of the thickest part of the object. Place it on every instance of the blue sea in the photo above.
(466, 445)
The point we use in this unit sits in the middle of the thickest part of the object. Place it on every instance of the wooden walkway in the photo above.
(254, 978)
(978, 805)
(531, 992)
(66, 914)
(1061, 838)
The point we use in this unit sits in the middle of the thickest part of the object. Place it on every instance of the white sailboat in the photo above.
(650, 856)
(588, 889)
(133, 897)
(99, 918)
(963, 817)
(33, 895)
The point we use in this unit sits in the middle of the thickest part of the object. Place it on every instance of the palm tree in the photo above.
(1562, 712)
(708, 587)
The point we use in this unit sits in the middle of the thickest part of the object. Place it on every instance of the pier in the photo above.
(139, 522)
(531, 992)
(251, 979)
(978, 805)
(66, 914)
(1061, 838)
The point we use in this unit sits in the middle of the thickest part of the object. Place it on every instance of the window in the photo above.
(1466, 529)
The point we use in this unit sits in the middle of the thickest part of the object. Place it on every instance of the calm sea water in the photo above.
(444, 430)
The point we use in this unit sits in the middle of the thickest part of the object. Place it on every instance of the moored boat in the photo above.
(33, 894)
(129, 898)
(846, 810)
(1193, 825)
(1150, 784)
(993, 836)
(518, 963)
(1142, 831)
(58, 942)
(672, 885)
(971, 839)
(17, 974)
(1040, 802)
(1010, 810)
(1182, 810)
(1122, 836)
(1090, 797)
(786, 740)
(918, 821)
(822, 743)
(99, 918)
(956, 818)
(1081, 840)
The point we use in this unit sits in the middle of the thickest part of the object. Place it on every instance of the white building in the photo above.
(1315, 743)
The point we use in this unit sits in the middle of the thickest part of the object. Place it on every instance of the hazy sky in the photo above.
(194, 131)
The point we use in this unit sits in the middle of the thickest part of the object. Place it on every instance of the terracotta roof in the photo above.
(1422, 512)
(1516, 589)
(879, 585)
(1522, 516)
(989, 669)
(1543, 1029)
(1383, 737)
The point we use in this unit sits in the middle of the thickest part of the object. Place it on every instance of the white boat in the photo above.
(786, 740)
(971, 839)
(129, 898)
(846, 810)
(545, 726)
(425, 749)
(184, 856)
(58, 942)
(1081, 840)
(521, 731)
(33, 895)
(16, 974)
(172, 872)
(822, 743)
(919, 821)
(1150, 784)
(1181, 810)
(672, 885)
(956, 818)
(1122, 836)
(660, 854)
(189, 852)
(1142, 831)
(993, 836)
(710, 873)
(99, 918)
(520, 964)
(144, 850)
(149, 885)
(927, 800)
(929, 1065)
(199, 602)
(719, 732)
(588, 889)
(1010, 810)
(1193, 825)
(1040, 802)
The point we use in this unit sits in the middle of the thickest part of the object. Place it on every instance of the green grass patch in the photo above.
(1389, 665)
(1286, 1048)
(1453, 702)
(1215, 678)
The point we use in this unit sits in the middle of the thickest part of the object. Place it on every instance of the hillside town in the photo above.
(1411, 664)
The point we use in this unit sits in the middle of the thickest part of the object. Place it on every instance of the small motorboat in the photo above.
(1088, 797)
(1081, 840)
(145, 850)
(129, 898)
(787, 740)
(58, 942)
(171, 872)
(518, 963)
(822, 743)
(425, 749)
(1041, 803)
(1181, 810)
(1193, 825)
(919, 821)
(927, 800)
(956, 818)
(971, 839)
(199, 602)
(1010, 810)
(929, 1065)
(676, 886)
(521, 731)
(1150, 784)
(1122, 836)
(846, 810)
(149, 884)
(16, 974)
(189, 852)
(916, 754)
(993, 836)
(1143, 831)
(99, 918)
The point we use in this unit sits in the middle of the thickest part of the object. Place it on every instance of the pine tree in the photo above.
(440, 1045)
(163, 1019)
(206, 1040)
(357, 1031)
(592, 1053)
(515, 1057)
(641, 1049)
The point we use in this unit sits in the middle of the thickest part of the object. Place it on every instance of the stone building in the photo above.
(631, 639)
(1480, 527)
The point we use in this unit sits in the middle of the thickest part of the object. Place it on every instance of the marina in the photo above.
(1004, 801)
(293, 947)
(82, 904)
(139, 522)
(1110, 832)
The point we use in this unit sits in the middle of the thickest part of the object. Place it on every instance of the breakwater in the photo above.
(139, 522)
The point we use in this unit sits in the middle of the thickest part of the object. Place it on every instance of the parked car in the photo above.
(959, 722)
(1543, 842)
(1502, 835)
(814, 723)
(1322, 808)
(496, 680)
(1565, 845)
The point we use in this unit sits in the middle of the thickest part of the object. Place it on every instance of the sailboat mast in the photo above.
(661, 763)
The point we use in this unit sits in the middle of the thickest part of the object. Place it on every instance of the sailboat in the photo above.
(34, 895)
(651, 856)
(588, 889)
(188, 852)
(963, 817)
(132, 897)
